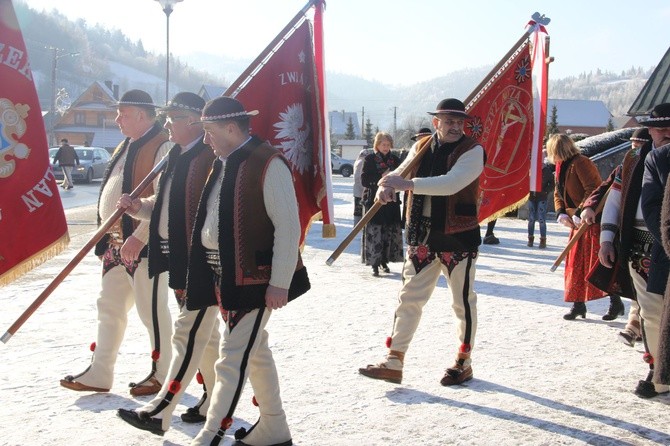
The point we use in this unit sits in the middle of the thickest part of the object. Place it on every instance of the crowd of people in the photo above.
(219, 226)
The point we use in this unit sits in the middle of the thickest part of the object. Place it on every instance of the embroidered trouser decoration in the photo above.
(156, 354)
(420, 275)
(112, 258)
(232, 370)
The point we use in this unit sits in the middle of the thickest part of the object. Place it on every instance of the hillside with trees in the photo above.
(105, 54)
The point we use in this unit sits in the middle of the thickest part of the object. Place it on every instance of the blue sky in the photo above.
(398, 41)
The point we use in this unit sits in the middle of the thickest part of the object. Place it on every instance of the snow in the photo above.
(538, 379)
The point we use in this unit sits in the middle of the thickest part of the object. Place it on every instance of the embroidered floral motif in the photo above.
(420, 256)
(451, 259)
(112, 258)
(230, 317)
(180, 295)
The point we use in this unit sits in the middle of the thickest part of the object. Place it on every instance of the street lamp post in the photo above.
(57, 54)
(168, 6)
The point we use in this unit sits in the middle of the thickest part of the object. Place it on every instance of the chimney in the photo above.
(116, 92)
(108, 84)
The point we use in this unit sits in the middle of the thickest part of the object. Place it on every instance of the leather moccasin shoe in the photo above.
(141, 421)
(456, 375)
(381, 372)
(69, 383)
(150, 388)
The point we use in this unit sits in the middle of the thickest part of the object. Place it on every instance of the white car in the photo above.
(341, 166)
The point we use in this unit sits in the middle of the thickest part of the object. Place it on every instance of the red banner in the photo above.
(32, 221)
(285, 90)
(503, 124)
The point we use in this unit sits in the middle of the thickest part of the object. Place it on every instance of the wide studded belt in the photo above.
(213, 260)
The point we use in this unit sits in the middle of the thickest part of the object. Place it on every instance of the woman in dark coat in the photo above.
(382, 241)
(576, 177)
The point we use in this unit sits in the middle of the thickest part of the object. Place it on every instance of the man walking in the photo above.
(443, 238)
(245, 256)
(125, 272)
(66, 158)
(172, 210)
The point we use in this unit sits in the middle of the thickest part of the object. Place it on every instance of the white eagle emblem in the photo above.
(293, 136)
(12, 127)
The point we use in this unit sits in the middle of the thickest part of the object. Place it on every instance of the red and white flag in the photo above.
(287, 86)
(503, 124)
(32, 221)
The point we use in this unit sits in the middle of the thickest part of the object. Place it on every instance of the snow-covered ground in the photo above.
(539, 380)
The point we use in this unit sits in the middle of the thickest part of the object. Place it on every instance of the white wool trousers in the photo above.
(195, 345)
(651, 310)
(244, 353)
(119, 293)
(417, 289)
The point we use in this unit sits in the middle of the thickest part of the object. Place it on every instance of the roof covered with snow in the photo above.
(579, 113)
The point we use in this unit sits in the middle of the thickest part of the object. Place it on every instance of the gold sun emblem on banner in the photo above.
(12, 127)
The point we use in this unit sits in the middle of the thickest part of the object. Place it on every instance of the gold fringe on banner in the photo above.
(510, 208)
(328, 231)
(35, 260)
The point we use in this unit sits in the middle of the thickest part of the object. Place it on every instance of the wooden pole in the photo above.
(375, 207)
(268, 49)
(102, 230)
(577, 235)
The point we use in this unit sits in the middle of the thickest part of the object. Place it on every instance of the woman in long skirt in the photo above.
(383, 234)
(576, 177)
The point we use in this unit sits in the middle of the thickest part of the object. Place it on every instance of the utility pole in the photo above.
(363, 123)
(395, 121)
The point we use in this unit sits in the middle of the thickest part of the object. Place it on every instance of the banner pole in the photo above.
(102, 230)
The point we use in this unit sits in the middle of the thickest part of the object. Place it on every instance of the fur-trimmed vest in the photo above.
(188, 173)
(246, 236)
(662, 362)
(454, 218)
(631, 187)
(139, 162)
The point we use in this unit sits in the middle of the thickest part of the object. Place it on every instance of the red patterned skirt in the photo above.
(579, 261)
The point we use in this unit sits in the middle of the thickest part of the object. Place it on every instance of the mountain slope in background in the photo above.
(109, 55)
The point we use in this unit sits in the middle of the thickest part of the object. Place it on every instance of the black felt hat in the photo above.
(424, 131)
(451, 106)
(137, 98)
(225, 108)
(185, 101)
(641, 135)
(659, 116)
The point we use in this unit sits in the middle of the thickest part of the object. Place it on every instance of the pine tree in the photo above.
(350, 130)
(369, 134)
(610, 125)
(552, 128)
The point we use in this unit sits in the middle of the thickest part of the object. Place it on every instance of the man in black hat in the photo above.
(171, 211)
(245, 255)
(125, 272)
(66, 157)
(656, 168)
(443, 237)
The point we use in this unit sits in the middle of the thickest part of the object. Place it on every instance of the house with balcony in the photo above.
(90, 118)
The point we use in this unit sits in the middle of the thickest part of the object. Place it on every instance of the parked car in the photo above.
(341, 166)
(93, 162)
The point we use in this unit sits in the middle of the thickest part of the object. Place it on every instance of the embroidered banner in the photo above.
(287, 92)
(503, 124)
(32, 221)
